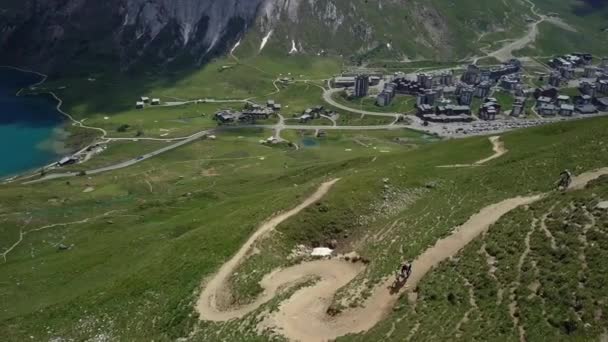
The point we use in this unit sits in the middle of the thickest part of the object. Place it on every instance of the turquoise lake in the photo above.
(29, 125)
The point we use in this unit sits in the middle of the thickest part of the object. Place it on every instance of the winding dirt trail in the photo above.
(303, 317)
(214, 294)
(498, 146)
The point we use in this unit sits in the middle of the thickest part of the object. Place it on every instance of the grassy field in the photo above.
(120, 256)
(140, 243)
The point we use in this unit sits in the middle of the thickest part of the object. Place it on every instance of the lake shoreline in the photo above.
(55, 144)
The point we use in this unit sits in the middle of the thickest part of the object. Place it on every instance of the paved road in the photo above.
(336, 128)
(127, 163)
(328, 97)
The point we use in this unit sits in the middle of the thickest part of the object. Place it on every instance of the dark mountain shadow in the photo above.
(587, 7)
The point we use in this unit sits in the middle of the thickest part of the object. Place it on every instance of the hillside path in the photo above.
(498, 146)
(209, 303)
(303, 316)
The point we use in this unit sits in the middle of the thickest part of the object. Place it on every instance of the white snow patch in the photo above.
(389, 46)
(235, 46)
(186, 30)
(212, 45)
(294, 49)
(265, 40)
(602, 205)
(321, 252)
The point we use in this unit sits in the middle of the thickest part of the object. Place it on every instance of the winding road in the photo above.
(126, 163)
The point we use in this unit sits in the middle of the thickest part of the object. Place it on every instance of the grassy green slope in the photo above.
(134, 273)
(556, 292)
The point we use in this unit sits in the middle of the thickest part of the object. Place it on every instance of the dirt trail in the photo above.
(313, 301)
(215, 289)
(303, 316)
(580, 181)
(499, 150)
(497, 146)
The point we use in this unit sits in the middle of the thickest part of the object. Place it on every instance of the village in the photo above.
(492, 98)
(449, 102)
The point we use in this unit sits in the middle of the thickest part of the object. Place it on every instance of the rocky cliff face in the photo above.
(50, 33)
(61, 34)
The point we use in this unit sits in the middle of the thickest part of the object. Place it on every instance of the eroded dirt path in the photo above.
(210, 300)
(498, 146)
(303, 316)
(499, 150)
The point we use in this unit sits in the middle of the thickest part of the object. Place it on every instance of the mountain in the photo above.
(123, 31)
(46, 34)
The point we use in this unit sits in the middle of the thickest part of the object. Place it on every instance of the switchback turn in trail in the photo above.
(303, 316)
(497, 146)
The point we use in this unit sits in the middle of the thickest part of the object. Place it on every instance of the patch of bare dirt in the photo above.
(497, 146)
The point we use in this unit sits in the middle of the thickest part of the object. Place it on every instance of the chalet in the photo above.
(139, 104)
(304, 118)
(563, 99)
(583, 100)
(155, 102)
(546, 91)
(145, 99)
(547, 109)
(517, 110)
(566, 110)
(226, 116)
(343, 82)
(586, 109)
(602, 86)
(489, 109)
(601, 103)
(67, 161)
(458, 110)
(543, 101)
(255, 114)
(424, 109)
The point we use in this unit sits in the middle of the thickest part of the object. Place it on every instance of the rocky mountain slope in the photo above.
(46, 34)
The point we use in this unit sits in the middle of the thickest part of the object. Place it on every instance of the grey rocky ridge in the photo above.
(163, 31)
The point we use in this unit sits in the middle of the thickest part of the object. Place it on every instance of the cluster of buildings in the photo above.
(550, 103)
(314, 113)
(250, 113)
(357, 85)
(593, 86)
(573, 60)
(432, 101)
(444, 113)
(475, 75)
(144, 101)
(427, 88)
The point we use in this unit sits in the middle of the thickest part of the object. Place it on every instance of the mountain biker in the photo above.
(405, 270)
